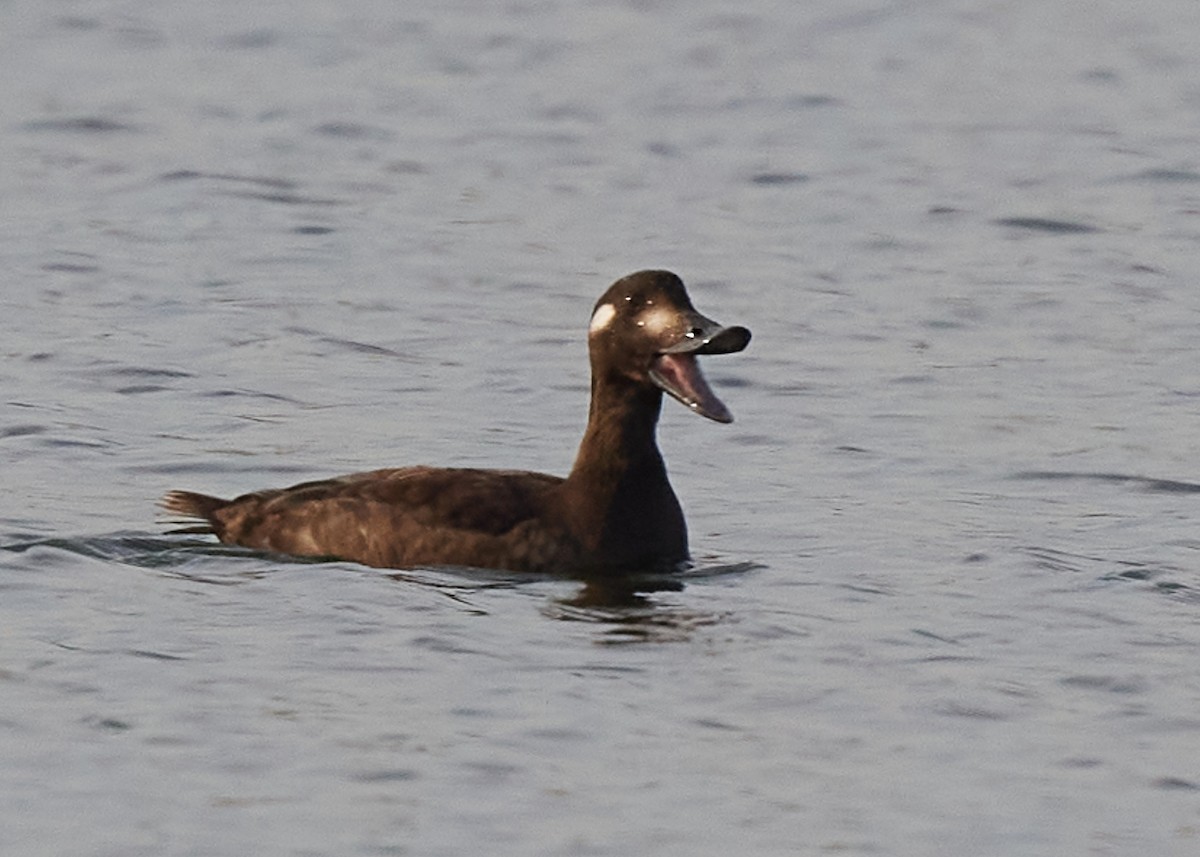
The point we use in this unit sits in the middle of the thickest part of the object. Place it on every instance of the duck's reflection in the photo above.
(625, 609)
(614, 592)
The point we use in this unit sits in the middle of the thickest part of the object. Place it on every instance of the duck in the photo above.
(614, 513)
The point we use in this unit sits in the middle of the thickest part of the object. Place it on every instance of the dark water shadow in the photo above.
(1046, 225)
(1161, 578)
(1145, 483)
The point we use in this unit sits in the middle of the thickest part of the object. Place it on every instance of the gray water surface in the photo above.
(947, 563)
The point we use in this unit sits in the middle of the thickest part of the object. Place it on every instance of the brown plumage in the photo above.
(614, 511)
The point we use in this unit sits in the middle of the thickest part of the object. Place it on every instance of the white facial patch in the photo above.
(656, 320)
(602, 318)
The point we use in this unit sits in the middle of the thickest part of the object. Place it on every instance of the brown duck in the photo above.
(614, 512)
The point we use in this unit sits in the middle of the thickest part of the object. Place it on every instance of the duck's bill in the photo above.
(705, 336)
(677, 372)
(679, 376)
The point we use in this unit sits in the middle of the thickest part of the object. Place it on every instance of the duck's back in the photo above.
(399, 517)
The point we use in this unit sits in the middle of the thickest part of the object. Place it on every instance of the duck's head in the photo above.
(645, 329)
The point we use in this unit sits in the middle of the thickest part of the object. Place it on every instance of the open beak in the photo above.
(677, 372)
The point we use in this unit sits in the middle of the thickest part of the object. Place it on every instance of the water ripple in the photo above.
(1046, 225)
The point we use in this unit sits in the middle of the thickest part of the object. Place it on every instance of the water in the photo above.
(947, 581)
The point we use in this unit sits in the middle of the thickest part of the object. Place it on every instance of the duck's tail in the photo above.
(195, 511)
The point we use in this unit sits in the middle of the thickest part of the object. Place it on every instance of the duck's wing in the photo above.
(407, 516)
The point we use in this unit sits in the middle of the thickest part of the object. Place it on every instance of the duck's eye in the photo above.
(694, 332)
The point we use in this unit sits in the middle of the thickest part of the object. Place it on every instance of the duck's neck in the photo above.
(618, 497)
